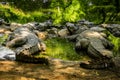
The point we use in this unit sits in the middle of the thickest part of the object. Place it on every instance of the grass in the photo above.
(116, 42)
(3, 38)
(62, 49)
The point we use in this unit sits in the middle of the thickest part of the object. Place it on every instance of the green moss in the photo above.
(61, 48)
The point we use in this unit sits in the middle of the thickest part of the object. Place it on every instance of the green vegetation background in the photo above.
(61, 11)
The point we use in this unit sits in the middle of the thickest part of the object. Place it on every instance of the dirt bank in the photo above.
(58, 70)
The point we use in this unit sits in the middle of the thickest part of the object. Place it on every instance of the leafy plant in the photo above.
(38, 16)
(64, 11)
(11, 14)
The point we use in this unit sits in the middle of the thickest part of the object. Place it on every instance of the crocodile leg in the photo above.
(16, 42)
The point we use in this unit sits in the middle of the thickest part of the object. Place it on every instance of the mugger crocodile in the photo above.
(96, 47)
(25, 44)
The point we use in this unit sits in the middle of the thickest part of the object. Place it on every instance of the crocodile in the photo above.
(114, 29)
(95, 45)
(3, 22)
(26, 44)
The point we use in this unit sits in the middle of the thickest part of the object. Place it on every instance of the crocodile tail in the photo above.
(90, 66)
(32, 59)
(97, 64)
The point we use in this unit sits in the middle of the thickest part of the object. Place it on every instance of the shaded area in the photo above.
(58, 70)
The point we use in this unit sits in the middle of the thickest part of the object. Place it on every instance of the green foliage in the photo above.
(26, 5)
(73, 12)
(38, 16)
(102, 11)
(3, 38)
(116, 42)
(60, 11)
(61, 48)
(64, 10)
(11, 14)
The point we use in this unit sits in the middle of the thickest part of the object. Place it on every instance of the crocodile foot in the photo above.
(32, 59)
